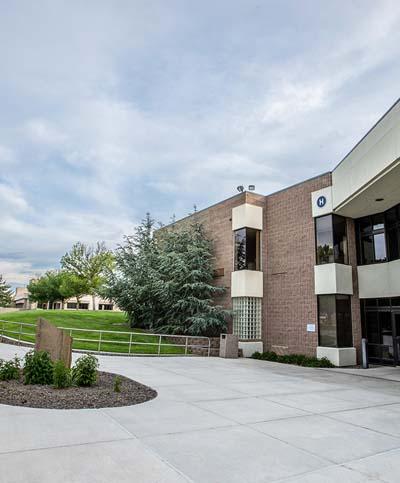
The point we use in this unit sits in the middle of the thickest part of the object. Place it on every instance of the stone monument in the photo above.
(54, 341)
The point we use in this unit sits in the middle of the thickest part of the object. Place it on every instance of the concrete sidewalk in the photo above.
(214, 420)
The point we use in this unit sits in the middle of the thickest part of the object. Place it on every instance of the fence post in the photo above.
(19, 335)
(159, 345)
(99, 346)
(186, 345)
(130, 344)
(209, 347)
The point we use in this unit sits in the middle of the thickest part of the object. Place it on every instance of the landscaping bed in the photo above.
(295, 359)
(100, 395)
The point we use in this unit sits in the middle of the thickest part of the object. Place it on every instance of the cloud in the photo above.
(40, 131)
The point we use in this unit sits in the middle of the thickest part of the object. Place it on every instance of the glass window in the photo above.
(379, 247)
(392, 219)
(247, 249)
(327, 320)
(247, 317)
(343, 321)
(393, 236)
(340, 239)
(324, 234)
(334, 321)
(371, 239)
(331, 239)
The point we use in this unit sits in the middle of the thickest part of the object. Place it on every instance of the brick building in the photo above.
(315, 267)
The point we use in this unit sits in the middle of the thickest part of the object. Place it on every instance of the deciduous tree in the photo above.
(89, 264)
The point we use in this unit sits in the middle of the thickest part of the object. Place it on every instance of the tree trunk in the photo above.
(94, 302)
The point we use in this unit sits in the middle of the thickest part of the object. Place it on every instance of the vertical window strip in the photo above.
(247, 317)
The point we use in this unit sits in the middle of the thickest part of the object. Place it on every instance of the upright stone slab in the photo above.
(54, 341)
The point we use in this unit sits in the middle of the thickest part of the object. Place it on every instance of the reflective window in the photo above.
(247, 249)
(331, 239)
(378, 237)
(334, 321)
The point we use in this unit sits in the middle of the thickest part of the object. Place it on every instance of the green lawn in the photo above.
(82, 319)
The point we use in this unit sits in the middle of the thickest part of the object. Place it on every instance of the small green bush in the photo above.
(38, 368)
(61, 375)
(84, 372)
(117, 384)
(297, 359)
(10, 369)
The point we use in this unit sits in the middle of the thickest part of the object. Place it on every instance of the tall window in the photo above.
(247, 249)
(334, 317)
(372, 241)
(393, 232)
(331, 239)
(247, 317)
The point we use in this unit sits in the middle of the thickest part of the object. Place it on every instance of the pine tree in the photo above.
(135, 284)
(165, 281)
(6, 295)
(186, 266)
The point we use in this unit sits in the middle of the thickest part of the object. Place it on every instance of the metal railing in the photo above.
(160, 342)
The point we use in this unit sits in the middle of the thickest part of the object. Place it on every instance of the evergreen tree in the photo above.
(135, 284)
(6, 295)
(164, 281)
(186, 267)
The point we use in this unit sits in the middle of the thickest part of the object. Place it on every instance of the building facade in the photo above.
(86, 302)
(315, 267)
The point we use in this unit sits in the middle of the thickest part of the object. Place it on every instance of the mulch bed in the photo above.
(102, 395)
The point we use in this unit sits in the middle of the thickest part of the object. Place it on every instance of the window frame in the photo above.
(258, 241)
(345, 252)
(340, 336)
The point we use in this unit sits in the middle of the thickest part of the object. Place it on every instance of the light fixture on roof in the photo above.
(240, 188)
(252, 187)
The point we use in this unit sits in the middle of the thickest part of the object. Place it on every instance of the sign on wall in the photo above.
(310, 327)
(321, 201)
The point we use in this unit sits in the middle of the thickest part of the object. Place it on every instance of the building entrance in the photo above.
(381, 327)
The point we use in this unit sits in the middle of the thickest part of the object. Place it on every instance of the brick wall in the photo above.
(289, 258)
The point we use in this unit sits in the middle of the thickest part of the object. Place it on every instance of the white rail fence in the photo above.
(135, 344)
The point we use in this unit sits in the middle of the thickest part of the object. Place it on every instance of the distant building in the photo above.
(21, 300)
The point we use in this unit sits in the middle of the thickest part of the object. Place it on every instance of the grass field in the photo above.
(80, 319)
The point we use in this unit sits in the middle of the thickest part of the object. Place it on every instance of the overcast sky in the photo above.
(109, 109)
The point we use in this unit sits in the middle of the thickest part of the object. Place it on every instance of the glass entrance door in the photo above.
(381, 327)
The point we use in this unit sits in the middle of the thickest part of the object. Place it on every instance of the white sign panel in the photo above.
(310, 327)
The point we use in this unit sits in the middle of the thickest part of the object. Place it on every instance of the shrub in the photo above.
(84, 372)
(38, 368)
(297, 359)
(117, 384)
(10, 369)
(61, 375)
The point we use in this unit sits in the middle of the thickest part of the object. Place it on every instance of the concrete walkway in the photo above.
(216, 421)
